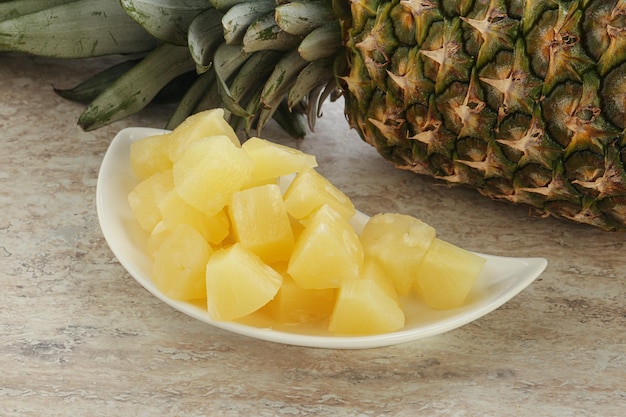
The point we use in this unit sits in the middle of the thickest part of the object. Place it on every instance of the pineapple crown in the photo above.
(258, 60)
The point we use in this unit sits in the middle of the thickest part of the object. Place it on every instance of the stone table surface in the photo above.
(80, 337)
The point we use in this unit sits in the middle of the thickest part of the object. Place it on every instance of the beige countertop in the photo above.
(79, 337)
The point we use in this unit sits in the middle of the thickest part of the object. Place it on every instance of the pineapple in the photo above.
(309, 191)
(363, 307)
(209, 171)
(296, 305)
(272, 160)
(327, 252)
(198, 126)
(444, 284)
(150, 155)
(523, 100)
(261, 223)
(398, 243)
(178, 270)
(145, 197)
(238, 283)
(174, 211)
(373, 271)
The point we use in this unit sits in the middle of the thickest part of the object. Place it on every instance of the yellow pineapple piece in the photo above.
(238, 283)
(296, 305)
(218, 227)
(327, 252)
(178, 270)
(310, 191)
(252, 182)
(373, 271)
(273, 160)
(296, 226)
(447, 274)
(214, 229)
(145, 197)
(209, 171)
(198, 126)
(174, 211)
(363, 307)
(398, 243)
(150, 155)
(157, 237)
(260, 222)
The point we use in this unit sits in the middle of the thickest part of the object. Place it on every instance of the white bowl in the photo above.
(502, 278)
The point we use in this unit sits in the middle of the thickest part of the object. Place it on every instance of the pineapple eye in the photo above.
(432, 126)
(496, 18)
(588, 113)
(518, 76)
(536, 135)
(569, 39)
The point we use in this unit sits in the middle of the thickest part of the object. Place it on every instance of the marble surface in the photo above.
(78, 336)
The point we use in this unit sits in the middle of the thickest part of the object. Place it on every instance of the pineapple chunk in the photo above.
(157, 237)
(272, 160)
(150, 155)
(447, 274)
(327, 252)
(260, 222)
(198, 126)
(373, 271)
(310, 191)
(217, 227)
(296, 305)
(209, 171)
(238, 283)
(174, 211)
(398, 243)
(179, 264)
(145, 197)
(363, 307)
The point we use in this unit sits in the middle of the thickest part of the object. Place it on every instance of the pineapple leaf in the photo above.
(239, 17)
(331, 89)
(322, 42)
(278, 84)
(265, 34)
(16, 8)
(89, 89)
(294, 123)
(247, 84)
(166, 20)
(224, 4)
(190, 100)
(300, 18)
(315, 74)
(210, 99)
(253, 74)
(205, 35)
(228, 59)
(80, 29)
(137, 87)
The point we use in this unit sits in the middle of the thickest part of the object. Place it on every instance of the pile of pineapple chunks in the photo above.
(222, 230)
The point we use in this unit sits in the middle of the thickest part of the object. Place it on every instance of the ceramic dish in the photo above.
(502, 278)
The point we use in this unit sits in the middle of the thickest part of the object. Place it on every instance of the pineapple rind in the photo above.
(521, 106)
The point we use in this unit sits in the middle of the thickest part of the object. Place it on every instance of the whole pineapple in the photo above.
(524, 100)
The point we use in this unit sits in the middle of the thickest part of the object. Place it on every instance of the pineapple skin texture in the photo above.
(523, 100)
